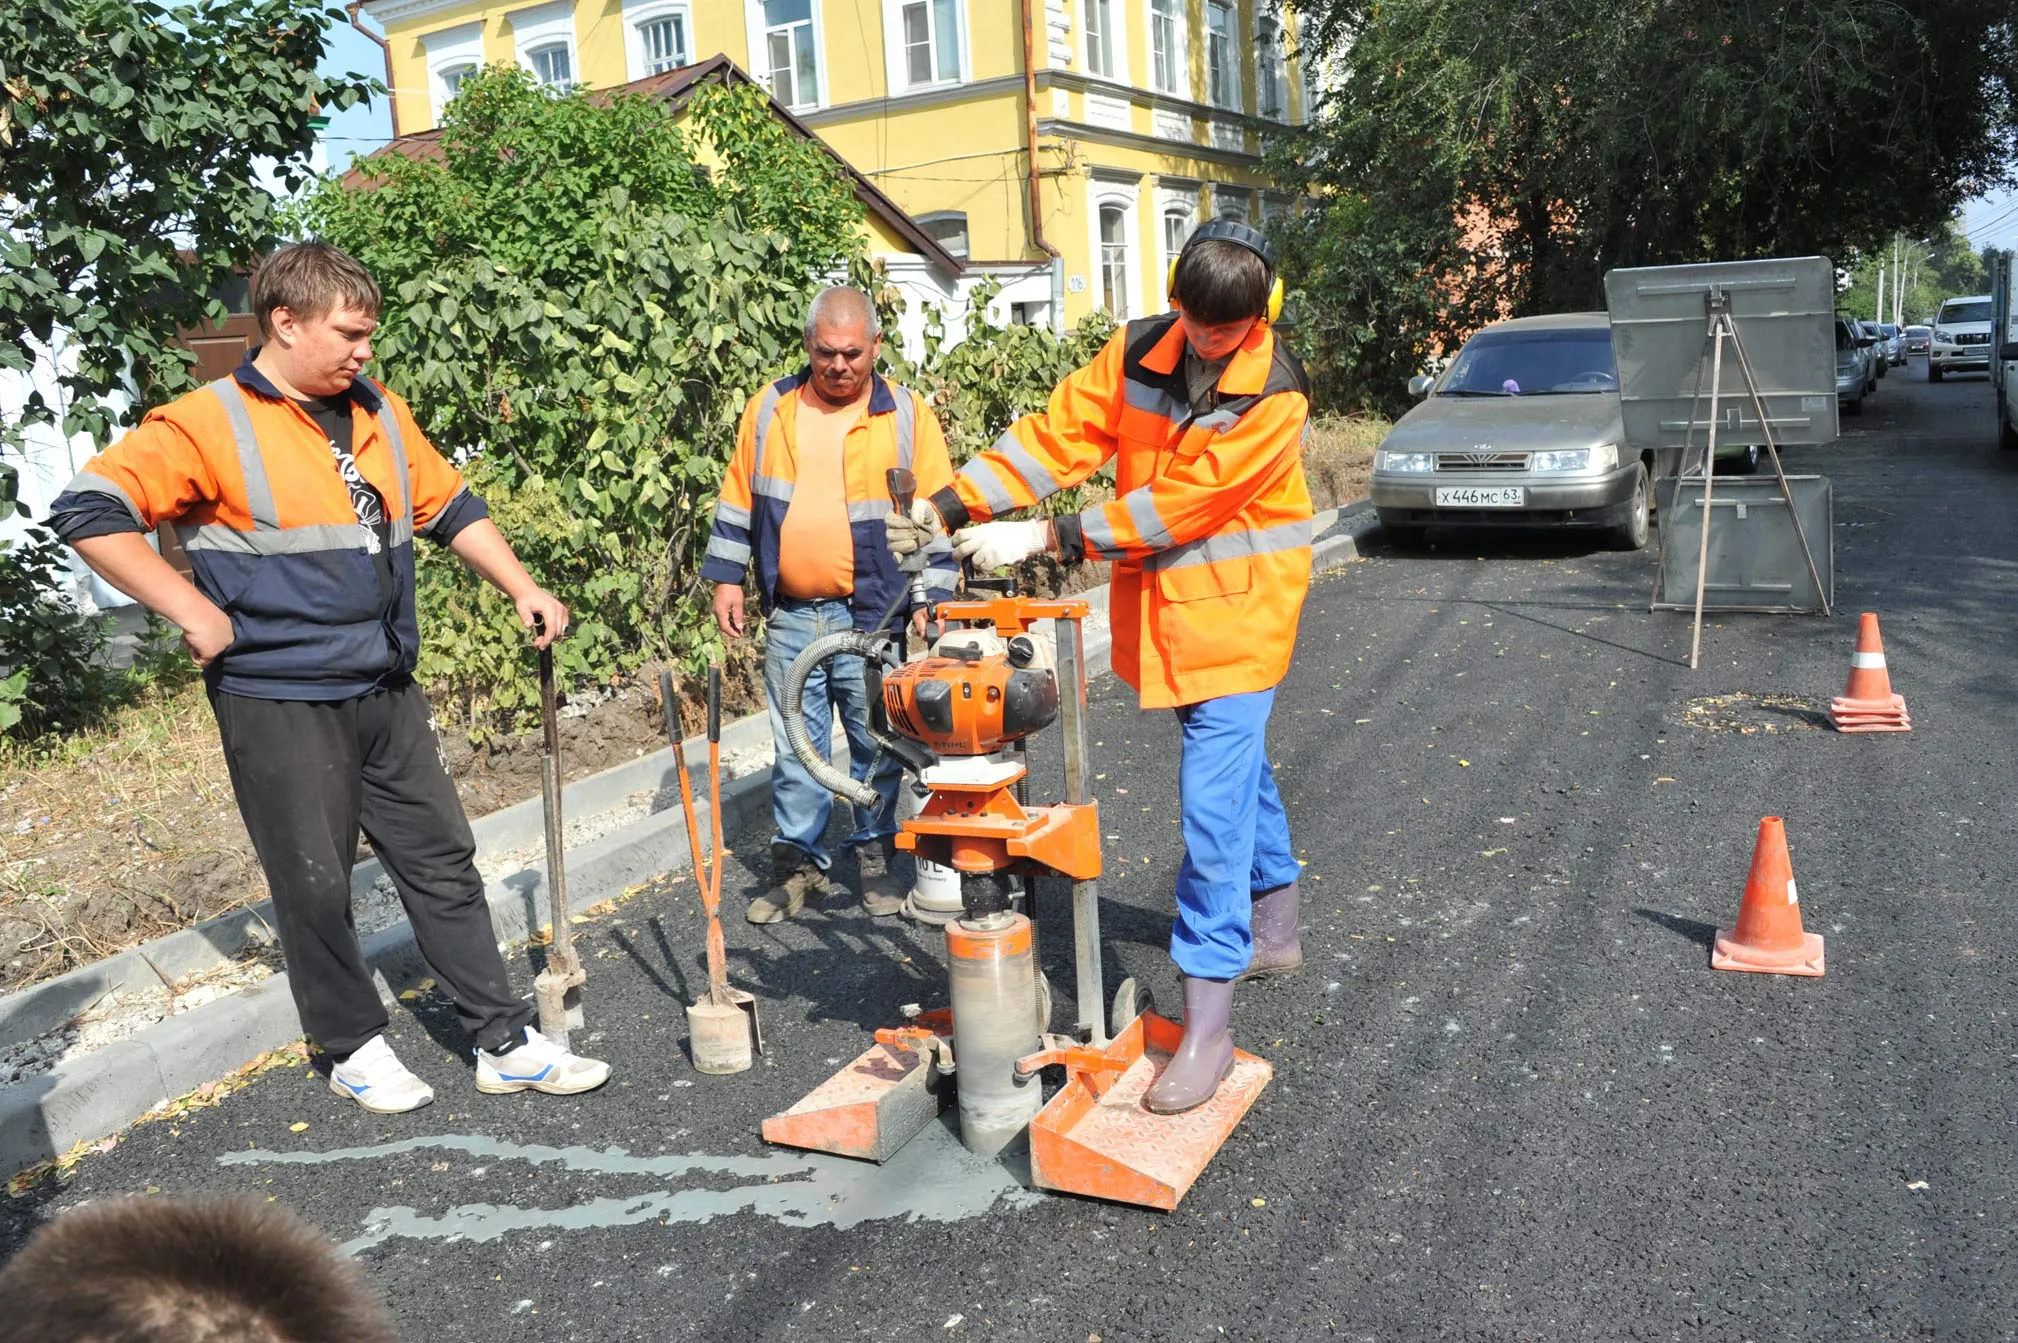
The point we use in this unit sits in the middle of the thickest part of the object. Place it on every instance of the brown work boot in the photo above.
(882, 893)
(794, 876)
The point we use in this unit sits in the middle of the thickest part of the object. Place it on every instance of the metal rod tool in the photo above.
(557, 989)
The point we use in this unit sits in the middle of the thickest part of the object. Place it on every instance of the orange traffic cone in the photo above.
(1867, 704)
(1768, 937)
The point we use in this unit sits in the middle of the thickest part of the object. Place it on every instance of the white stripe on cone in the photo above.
(1867, 661)
(1793, 896)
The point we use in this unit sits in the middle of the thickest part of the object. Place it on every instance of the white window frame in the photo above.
(1232, 62)
(1124, 196)
(1232, 202)
(1180, 84)
(760, 52)
(448, 50)
(637, 15)
(1173, 201)
(896, 58)
(1271, 63)
(543, 26)
(926, 221)
(1117, 22)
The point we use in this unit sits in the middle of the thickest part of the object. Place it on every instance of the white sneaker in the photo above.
(378, 1081)
(538, 1065)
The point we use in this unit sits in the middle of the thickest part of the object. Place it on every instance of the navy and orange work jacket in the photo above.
(248, 482)
(1210, 531)
(898, 430)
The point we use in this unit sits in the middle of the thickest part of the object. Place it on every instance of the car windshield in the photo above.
(1534, 362)
(1891, 329)
(1975, 311)
(1916, 330)
(1843, 338)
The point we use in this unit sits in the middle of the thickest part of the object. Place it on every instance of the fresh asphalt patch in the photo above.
(1511, 1098)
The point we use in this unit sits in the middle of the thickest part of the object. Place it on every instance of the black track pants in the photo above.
(309, 775)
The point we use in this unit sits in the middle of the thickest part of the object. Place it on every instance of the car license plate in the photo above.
(1480, 496)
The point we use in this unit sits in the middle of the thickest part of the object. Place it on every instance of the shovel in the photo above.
(558, 988)
(724, 1022)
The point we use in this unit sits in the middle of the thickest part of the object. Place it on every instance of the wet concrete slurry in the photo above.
(1511, 1100)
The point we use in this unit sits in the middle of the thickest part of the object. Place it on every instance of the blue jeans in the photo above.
(799, 806)
(1236, 835)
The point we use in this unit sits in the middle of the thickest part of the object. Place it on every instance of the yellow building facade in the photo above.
(1149, 116)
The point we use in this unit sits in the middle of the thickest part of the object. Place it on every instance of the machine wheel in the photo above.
(1131, 1000)
(1933, 371)
(1632, 533)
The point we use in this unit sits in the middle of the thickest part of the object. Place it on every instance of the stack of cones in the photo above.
(1769, 938)
(1867, 704)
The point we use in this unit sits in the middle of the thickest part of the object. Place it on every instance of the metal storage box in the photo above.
(1755, 559)
(1784, 312)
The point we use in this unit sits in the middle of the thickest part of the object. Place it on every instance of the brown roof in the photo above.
(676, 87)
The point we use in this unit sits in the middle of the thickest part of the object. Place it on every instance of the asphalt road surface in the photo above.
(1512, 1100)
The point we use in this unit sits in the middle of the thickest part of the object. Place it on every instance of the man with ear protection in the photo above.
(1202, 412)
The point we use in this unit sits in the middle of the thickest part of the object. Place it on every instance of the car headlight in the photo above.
(1601, 458)
(1942, 335)
(1405, 463)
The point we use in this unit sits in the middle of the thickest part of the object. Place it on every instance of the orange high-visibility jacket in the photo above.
(898, 430)
(1210, 531)
(250, 484)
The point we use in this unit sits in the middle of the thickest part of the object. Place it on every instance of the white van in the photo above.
(1961, 342)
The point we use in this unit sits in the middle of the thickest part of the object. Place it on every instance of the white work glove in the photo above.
(993, 545)
(907, 535)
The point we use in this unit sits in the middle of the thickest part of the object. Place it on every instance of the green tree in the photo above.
(131, 139)
(582, 293)
(1477, 157)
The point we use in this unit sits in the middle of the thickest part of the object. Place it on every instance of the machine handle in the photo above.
(714, 705)
(903, 488)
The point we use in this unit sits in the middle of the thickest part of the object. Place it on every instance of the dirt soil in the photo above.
(131, 832)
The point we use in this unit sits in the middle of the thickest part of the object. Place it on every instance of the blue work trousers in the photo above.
(799, 806)
(1236, 835)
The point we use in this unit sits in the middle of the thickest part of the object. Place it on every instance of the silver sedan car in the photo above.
(1521, 430)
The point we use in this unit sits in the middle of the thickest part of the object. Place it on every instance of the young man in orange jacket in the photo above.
(297, 485)
(1202, 411)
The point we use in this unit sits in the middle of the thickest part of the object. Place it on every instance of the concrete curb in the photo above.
(102, 1092)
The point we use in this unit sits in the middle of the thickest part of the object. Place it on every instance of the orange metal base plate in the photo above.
(1108, 1146)
(869, 1109)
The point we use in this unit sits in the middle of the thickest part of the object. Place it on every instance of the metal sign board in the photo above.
(1784, 313)
(1756, 561)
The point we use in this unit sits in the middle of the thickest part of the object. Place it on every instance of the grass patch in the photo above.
(1338, 458)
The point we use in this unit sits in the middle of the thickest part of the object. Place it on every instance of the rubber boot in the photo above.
(1204, 1058)
(794, 876)
(882, 893)
(1277, 947)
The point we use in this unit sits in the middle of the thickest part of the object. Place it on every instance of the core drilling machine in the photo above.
(959, 719)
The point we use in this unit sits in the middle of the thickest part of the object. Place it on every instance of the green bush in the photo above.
(51, 675)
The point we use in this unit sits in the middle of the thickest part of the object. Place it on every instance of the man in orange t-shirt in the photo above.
(801, 512)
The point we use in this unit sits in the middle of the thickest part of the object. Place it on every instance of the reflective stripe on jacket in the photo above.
(250, 485)
(1210, 527)
(898, 430)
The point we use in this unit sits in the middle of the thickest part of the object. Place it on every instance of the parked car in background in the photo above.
(1895, 342)
(1918, 338)
(1522, 430)
(1853, 367)
(1879, 363)
(1961, 339)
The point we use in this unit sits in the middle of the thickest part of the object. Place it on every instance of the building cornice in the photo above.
(1182, 149)
(389, 12)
